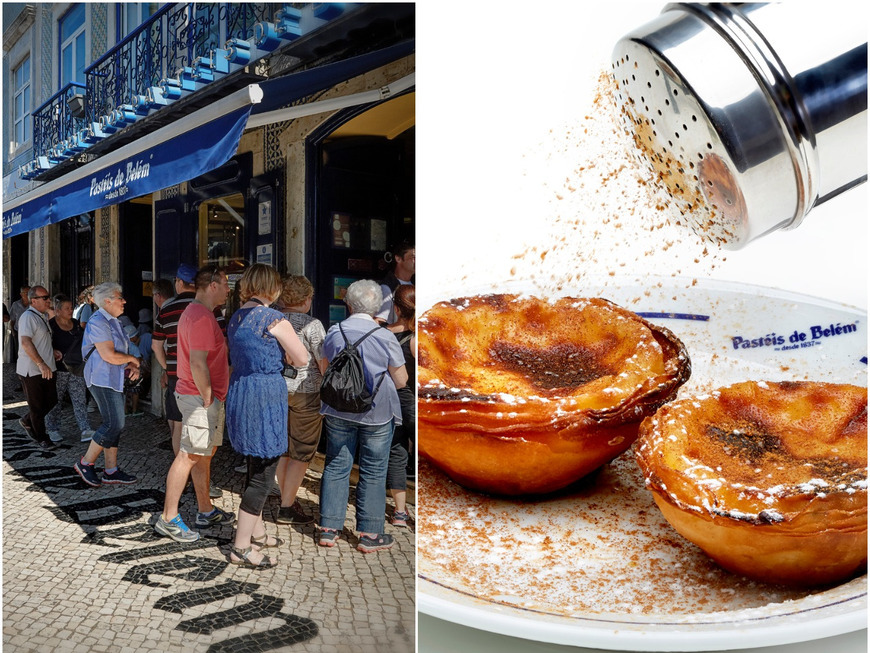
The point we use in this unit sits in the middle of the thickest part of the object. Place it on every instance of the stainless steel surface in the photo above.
(750, 114)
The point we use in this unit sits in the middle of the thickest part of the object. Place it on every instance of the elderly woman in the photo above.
(109, 363)
(303, 399)
(65, 334)
(371, 431)
(261, 342)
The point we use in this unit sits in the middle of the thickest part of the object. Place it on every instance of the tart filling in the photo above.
(564, 382)
(769, 479)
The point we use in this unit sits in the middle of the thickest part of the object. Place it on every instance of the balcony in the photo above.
(184, 56)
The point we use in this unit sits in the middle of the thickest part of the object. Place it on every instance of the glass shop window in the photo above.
(222, 239)
(72, 46)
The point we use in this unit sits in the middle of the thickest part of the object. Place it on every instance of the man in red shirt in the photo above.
(164, 344)
(200, 392)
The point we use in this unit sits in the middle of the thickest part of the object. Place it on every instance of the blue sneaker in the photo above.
(401, 519)
(88, 474)
(369, 544)
(120, 477)
(176, 529)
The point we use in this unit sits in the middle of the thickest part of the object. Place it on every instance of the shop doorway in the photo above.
(136, 274)
(364, 197)
(76, 254)
(19, 262)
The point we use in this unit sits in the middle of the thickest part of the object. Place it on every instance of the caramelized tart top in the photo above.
(522, 353)
(755, 449)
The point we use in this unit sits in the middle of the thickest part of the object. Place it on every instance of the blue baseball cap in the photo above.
(187, 273)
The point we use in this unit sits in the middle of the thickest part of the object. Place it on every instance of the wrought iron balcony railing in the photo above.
(179, 50)
(55, 120)
(171, 40)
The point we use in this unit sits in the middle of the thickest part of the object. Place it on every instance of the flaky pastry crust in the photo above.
(769, 479)
(520, 395)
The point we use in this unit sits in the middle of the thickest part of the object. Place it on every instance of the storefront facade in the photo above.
(320, 182)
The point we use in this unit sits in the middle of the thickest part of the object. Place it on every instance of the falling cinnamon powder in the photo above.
(608, 213)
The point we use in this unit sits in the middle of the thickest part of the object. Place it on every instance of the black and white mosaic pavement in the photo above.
(84, 570)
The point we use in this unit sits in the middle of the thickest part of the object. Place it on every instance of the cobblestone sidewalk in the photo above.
(84, 570)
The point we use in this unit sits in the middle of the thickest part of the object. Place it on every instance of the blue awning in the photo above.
(184, 149)
(187, 148)
(281, 91)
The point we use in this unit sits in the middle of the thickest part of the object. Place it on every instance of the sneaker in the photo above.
(327, 538)
(241, 469)
(46, 445)
(175, 529)
(214, 492)
(55, 436)
(293, 515)
(378, 543)
(214, 518)
(401, 519)
(87, 434)
(120, 477)
(88, 474)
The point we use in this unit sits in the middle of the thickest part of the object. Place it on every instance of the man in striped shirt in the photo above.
(164, 343)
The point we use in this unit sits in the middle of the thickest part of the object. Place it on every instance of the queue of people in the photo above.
(257, 377)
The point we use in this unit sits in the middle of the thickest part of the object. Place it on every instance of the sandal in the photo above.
(242, 554)
(264, 543)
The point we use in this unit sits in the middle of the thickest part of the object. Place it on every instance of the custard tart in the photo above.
(769, 479)
(521, 395)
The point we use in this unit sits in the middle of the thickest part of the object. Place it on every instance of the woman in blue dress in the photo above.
(261, 340)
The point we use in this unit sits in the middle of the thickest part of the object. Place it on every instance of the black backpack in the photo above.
(344, 385)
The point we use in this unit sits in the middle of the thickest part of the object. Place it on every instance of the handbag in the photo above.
(73, 359)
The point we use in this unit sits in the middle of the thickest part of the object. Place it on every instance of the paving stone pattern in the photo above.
(84, 570)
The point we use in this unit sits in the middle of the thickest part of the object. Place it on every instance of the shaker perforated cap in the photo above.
(731, 131)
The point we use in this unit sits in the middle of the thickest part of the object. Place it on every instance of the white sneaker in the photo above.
(87, 434)
(55, 436)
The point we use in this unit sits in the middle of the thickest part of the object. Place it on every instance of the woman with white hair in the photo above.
(370, 431)
(110, 362)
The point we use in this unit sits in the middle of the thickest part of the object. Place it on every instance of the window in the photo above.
(133, 14)
(72, 46)
(21, 100)
(222, 239)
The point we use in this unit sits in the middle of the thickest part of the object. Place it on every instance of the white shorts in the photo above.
(201, 428)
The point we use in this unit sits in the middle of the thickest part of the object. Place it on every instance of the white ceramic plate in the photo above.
(597, 565)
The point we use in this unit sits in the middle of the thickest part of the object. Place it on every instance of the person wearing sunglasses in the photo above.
(36, 365)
